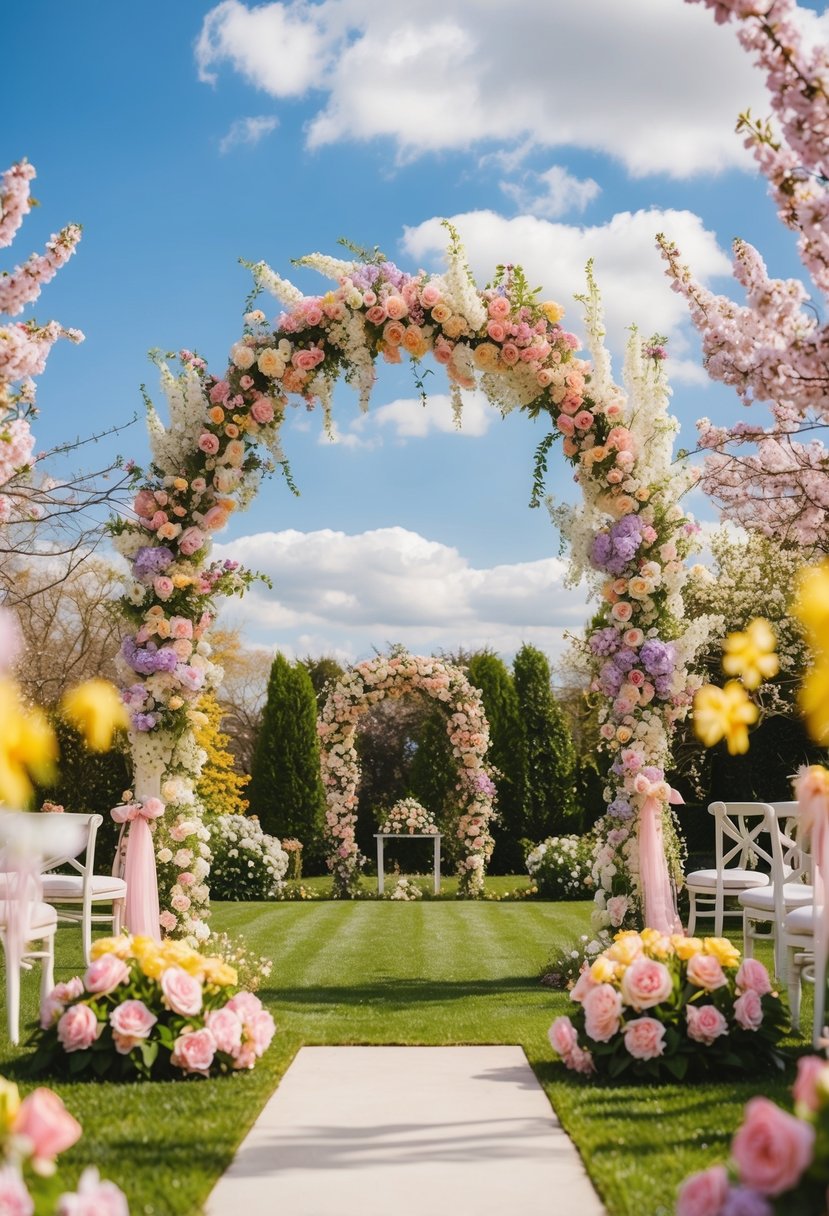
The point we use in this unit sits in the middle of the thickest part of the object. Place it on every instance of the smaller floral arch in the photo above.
(354, 694)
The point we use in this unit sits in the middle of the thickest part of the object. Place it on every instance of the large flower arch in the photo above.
(630, 533)
(354, 694)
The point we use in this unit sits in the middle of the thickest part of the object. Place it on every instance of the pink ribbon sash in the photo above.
(658, 895)
(142, 909)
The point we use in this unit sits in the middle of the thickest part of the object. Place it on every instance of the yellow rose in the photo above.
(218, 973)
(552, 311)
(121, 946)
(724, 713)
(656, 943)
(603, 970)
(685, 947)
(626, 948)
(182, 580)
(722, 950)
(485, 356)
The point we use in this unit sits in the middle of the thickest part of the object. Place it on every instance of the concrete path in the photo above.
(406, 1131)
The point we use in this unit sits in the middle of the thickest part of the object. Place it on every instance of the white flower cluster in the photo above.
(405, 889)
(408, 815)
(247, 862)
(561, 867)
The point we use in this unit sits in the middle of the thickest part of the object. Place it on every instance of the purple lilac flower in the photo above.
(230, 565)
(610, 680)
(658, 658)
(144, 722)
(484, 785)
(135, 696)
(742, 1201)
(662, 686)
(620, 809)
(151, 560)
(605, 641)
(602, 550)
(614, 550)
(148, 660)
(625, 659)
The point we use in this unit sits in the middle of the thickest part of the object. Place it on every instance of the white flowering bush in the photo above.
(561, 867)
(247, 862)
(405, 889)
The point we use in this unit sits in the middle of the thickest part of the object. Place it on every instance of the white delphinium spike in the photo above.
(282, 289)
(461, 294)
(330, 267)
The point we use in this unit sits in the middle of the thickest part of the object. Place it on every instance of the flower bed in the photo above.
(247, 862)
(662, 1007)
(151, 1010)
(405, 889)
(561, 867)
(408, 817)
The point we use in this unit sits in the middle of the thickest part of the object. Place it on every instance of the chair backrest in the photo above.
(743, 834)
(794, 862)
(85, 868)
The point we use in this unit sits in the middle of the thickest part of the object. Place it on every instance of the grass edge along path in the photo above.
(430, 973)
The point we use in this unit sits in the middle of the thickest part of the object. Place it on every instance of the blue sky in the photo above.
(184, 136)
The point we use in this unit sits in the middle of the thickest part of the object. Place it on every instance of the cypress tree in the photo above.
(286, 789)
(551, 756)
(507, 753)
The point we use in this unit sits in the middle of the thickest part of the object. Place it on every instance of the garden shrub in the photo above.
(561, 866)
(247, 863)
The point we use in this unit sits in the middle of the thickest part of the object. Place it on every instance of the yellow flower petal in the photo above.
(724, 713)
(814, 701)
(751, 654)
(97, 711)
(811, 604)
(28, 748)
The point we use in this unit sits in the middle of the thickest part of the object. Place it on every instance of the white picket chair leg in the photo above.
(794, 984)
(13, 1001)
(117, 917)
(820, 1000)
(719, 908)
(692, 912)
(47, 967)
(86, 931)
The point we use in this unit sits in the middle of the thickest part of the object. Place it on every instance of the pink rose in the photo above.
(580, 1061)
(104, 974)
(15, 1200)
(78, 1028)
(748, 1010)
(617, 907)
(602, 1012)
(621, 611)
(167, 921)
(262, 1030)
(753, 974)
(563, 1037)
(182, 992)
(244, 1056)
(644, 1038)
(131, 1021)
(262, 411)
(812, 1076)
(180, 627)
(305, 360)
(703, 1194)
(215, 519)
(583, 420)
(396, 307)
(498, 307)
(226, 1027)
(377, 314)
(510, 354)
(771, 1149)
(144, 503)
(93, 1198)
(207, 443)
(54, 1004)
(582, 985)
(705, 971)
(496, 331)
(430, 295)
(163, 586)
(194, 1051)
(46, 1123)
(190, 541)
(705, 1023)
(565, 424)
(646, 983)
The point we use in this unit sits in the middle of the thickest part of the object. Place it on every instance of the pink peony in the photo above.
(15, 1200)
(190, 541)
(810, 1084)
(563, 1037)
(602, 1012)
(262, 1029)
(753, 974)
(131, 1021)
(78, 1028)
(771, 1149)
(748, 1010)
(646, 983)
(226, 1027)
(704, 971)
(194, 1051)
(182, 992)
(93, 1198)
(104, 974)
(617, 907)
(703, 1194)
(46, 1124)
(644, 1038)
(705, 1023)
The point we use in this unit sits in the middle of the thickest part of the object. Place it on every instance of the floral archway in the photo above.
(354, 694)
(629, 534)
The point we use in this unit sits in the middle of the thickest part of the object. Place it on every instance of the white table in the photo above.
(382, 837)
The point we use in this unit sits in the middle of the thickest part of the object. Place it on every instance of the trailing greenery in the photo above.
(286, 792)
(551, 756)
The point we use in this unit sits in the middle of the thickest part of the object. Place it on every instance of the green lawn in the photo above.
(371, 972)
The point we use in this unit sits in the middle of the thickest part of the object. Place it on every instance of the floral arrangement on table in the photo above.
(294, 850)
(149, 1009)
(662, 1007)
(352, 696)
(247, 862)
(33, 1132)
(408, 817)
(561, 866)
(779, 1162)
(405, 889)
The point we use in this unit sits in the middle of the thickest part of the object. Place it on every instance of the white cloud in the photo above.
(653, 83)
(248, 131)
(345, 594)
(411, 419)
(551, 194)
(629, 270)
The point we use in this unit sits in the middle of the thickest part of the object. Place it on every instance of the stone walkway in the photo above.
(407, 1131)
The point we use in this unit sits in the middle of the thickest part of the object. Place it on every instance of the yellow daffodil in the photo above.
(751, 654)
(686, 947)
(9, 1105)
(724, 713)
(96, 709)
(28, 748)
(552, 311)
(814, 701)
(723, 951)
(811, 604)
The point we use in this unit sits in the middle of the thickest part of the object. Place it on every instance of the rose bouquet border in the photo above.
(408, 816)
(145, 1009)
(671, 1008)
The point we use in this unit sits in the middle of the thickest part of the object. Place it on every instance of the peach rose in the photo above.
(705, 1023)
(602, 1012)
(262, 411)
(703, 1194)
(394, 333)
(396, 307)
(704, 971)
(46, 1124)
(644, 1038)
(621, 611)
(771, 1149)
(646, 983)
(748, 1010)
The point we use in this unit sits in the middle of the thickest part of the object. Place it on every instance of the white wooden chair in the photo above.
(802, 963)
(75, 894)
(43, 922)
(790, 886)
(739, 828)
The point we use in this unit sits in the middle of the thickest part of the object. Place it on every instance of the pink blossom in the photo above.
(582, 985)
(705, 1023)
(226, 1027)
(811, 1083)
(131, 1021)
(748, 1010)
(46, 1124)
(772, 1149)
(603, 1010)
(105, 974)
(563, 1037)
(703, 1194)
(194, 1051)
(15, 1200)
(753, 974)
(644, 1038)
(208, 443)
(190, 541)
(262, 411)
(499, 307)
(704, 971)
(182, 992)
(78, 1028)
(262, 1030)
(93, 1198)
(646, 983)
